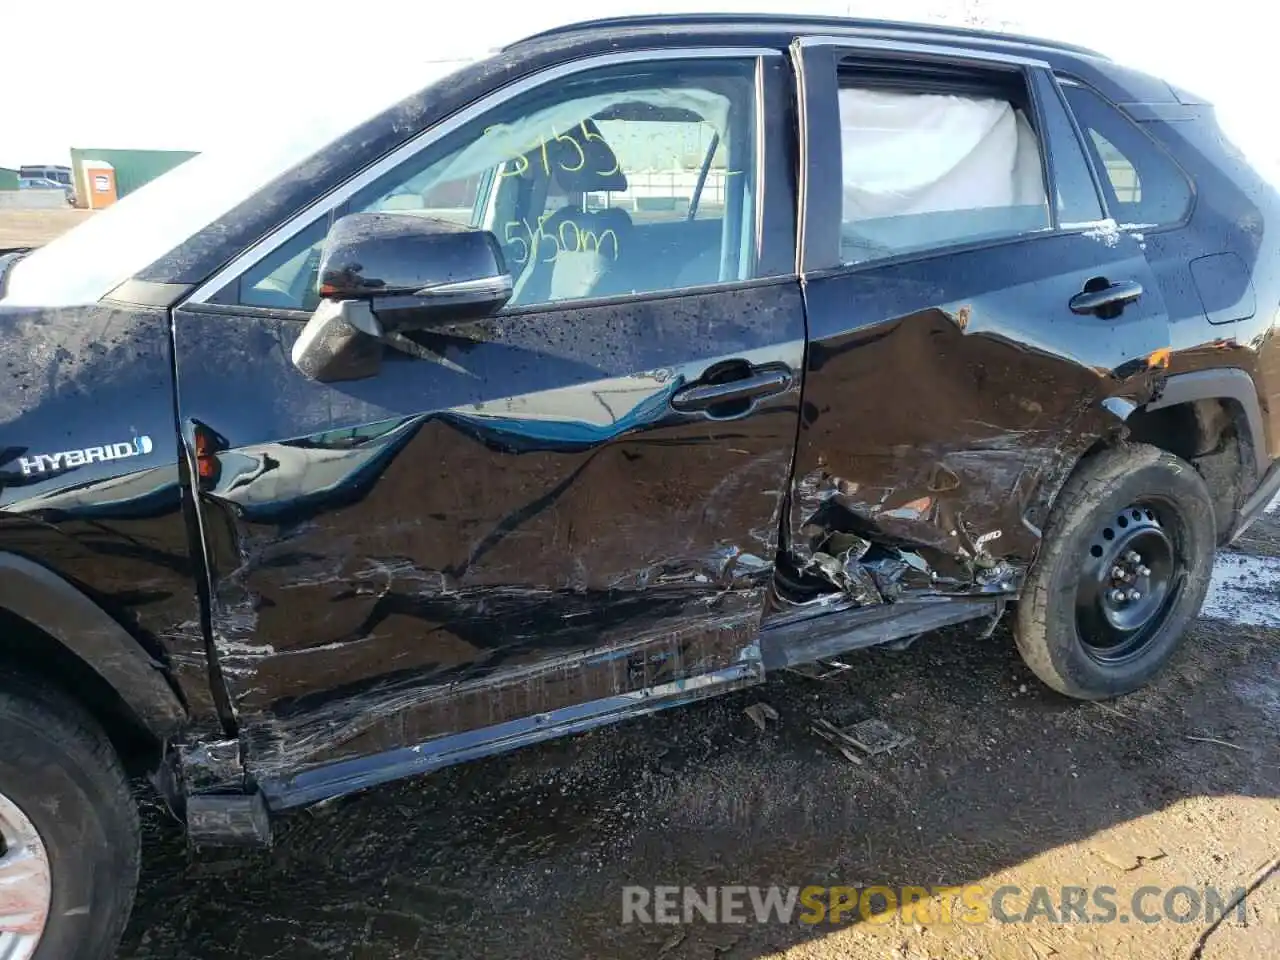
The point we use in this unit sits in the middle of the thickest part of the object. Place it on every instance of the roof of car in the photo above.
(840, 26)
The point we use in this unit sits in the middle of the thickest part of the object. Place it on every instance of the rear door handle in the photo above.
(703, 396)
(1114, 296)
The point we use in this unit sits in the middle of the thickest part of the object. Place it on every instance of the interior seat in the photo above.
(580, 265)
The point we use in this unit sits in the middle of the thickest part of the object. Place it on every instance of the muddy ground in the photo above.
(1005, 783)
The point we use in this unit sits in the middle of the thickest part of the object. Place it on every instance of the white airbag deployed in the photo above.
(906, 154)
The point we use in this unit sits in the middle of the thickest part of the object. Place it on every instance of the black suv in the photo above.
(614, 371)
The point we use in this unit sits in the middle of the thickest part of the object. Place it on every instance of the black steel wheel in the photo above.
(1129, 580)
(1123, 570)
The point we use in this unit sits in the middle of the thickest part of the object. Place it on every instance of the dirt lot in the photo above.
(1005, 783)
(26, 228)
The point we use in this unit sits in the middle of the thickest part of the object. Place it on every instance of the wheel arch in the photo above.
(1229, 385)
(1212, 419)
(1191, 416)
(52, 628)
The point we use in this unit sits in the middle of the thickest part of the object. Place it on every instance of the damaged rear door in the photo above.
(976, 320)
(531, 523)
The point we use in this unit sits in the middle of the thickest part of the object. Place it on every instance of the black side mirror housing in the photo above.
(385, 273)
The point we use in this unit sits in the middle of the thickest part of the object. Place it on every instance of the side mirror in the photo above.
(385, 273)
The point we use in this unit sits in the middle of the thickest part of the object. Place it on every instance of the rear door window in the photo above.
(1144, 186)
(923, 170)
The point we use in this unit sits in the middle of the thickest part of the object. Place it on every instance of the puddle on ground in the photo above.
(1244, 590)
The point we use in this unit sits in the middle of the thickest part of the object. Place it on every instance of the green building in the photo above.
(133, 168)
(8, 179)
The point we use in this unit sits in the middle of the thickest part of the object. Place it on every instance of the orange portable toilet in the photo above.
(100, 184)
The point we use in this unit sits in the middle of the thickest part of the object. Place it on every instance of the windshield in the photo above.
(88, 262)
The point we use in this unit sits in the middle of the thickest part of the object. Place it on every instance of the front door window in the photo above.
(620, 181)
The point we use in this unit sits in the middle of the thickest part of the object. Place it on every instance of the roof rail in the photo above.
(801, 22)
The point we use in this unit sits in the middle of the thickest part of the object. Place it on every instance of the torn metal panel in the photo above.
(947, 400)
(526, 525)
(210, 766)
(839, 561)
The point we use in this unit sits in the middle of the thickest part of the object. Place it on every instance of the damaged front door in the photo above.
(525, 524)
(976, 321)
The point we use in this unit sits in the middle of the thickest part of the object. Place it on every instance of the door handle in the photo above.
(703, 396)
(1110, 299)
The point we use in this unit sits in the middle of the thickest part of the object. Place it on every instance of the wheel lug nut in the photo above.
(1134, 595)
(1117, 573)
(1144, 571)
(1133, 556)
(1117, 596)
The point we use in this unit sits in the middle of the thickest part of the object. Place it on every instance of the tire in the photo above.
(1071, 629)
(60, 774)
